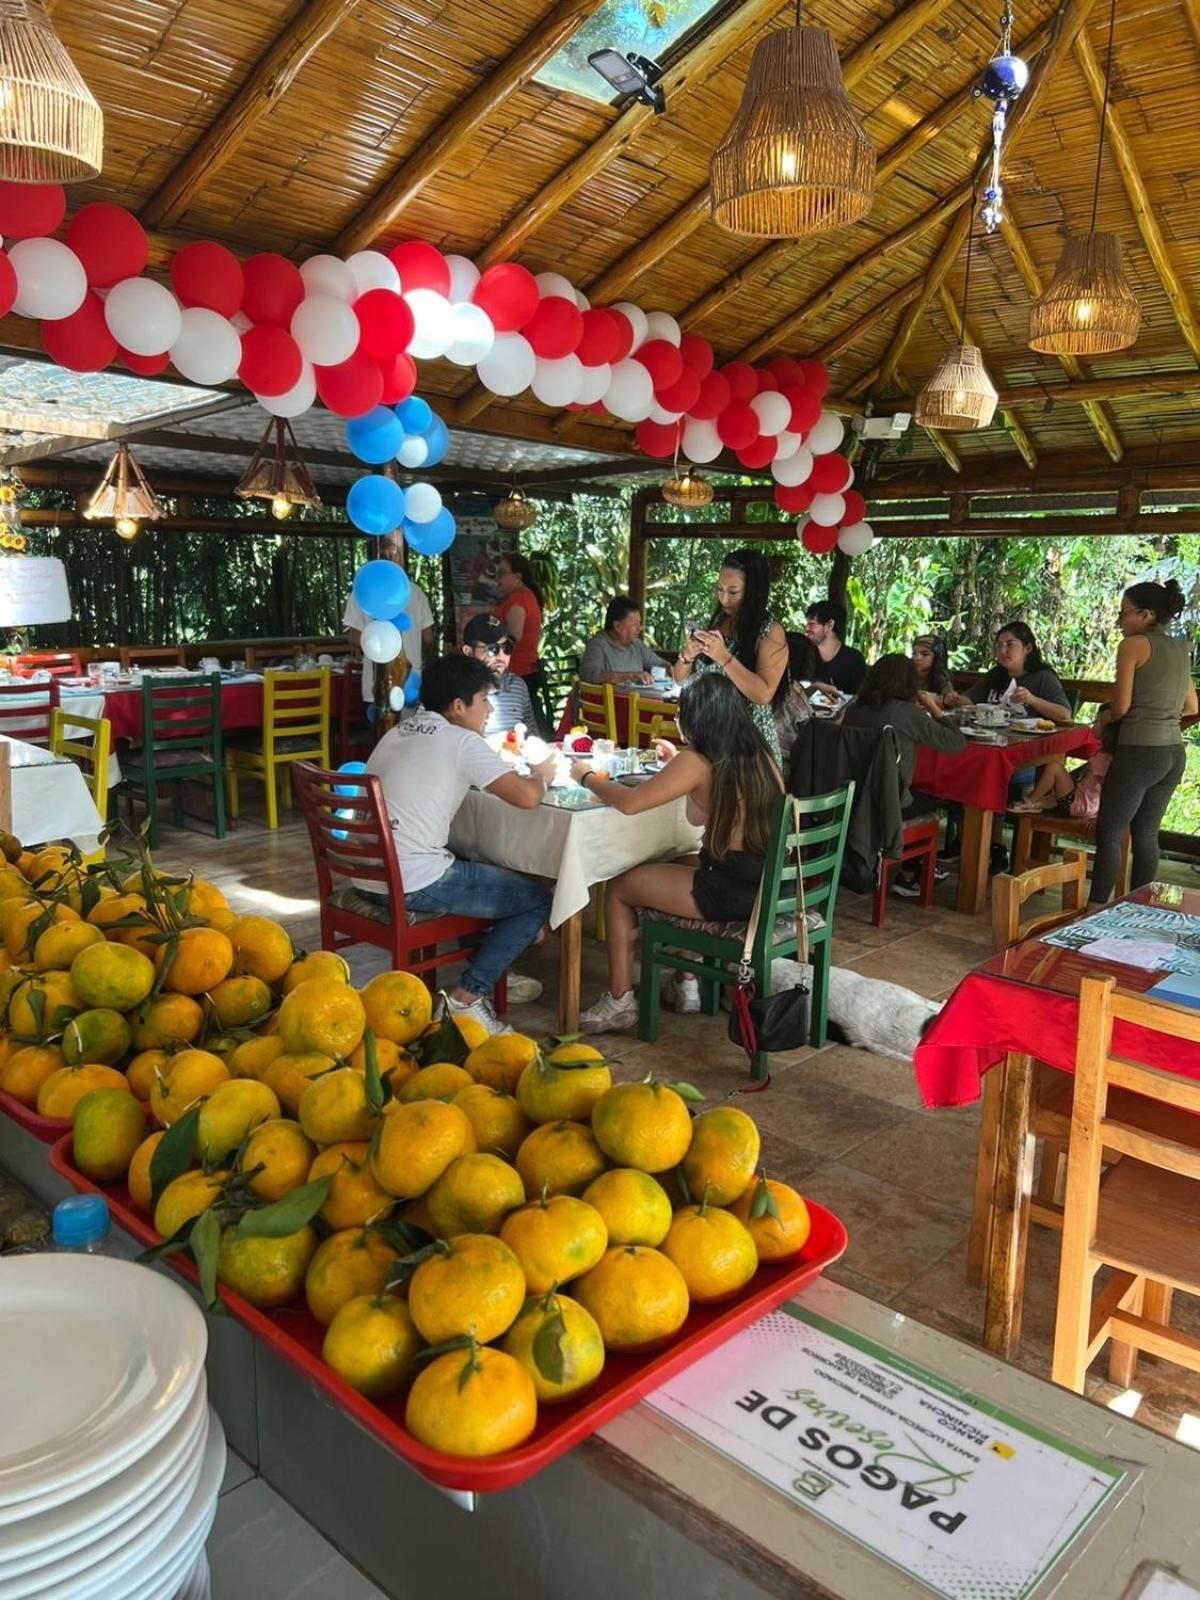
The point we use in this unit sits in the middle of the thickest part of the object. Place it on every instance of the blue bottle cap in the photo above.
(79, 1221)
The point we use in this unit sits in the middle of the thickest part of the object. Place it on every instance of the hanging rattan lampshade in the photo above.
(277, 472)
(123, 493)
(514, 513)
(960, 396)
(796, 159)
(1088, 308)
(51, 128)
(687, 490)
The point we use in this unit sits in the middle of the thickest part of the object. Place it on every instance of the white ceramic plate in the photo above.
(98, 1358)
(197, 1584)
(56, 1533)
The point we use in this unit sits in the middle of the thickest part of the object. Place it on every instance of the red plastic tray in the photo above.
(297, 1337)
(47, 1129)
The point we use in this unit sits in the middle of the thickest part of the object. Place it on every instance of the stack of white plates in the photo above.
(110, 1458)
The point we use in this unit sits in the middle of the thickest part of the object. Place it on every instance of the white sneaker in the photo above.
(481, 1010)
(683, 992)
(610, 1016)
(521, 991)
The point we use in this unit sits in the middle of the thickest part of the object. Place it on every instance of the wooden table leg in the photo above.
(570, 954)
(1010, 1210)
(979, 1240)
(975, 854)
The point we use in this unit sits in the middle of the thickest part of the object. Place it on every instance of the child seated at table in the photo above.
(1074, 792)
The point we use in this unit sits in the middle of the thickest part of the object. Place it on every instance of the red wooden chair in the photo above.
(354, 739)
(58, 663)
(25, 710)
(351, 839)
(920, 843)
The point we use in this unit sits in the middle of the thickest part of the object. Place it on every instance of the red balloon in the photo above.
(555, 328)
(662, 361)
(657, 439)
(681, 396)
(351, 388)
(818, 541)
(206, 274)
(145, 366)
(806, 408)
(624, 334)
(737, 426)
(767, 382)
(715, 395)
(787, 371)
(830, 474)
(420, 266)
(856, 507)
(385, 322)
(8, 285)
(274, 288)
(697, 354)
(271, 361)
(793, 500)
(509, 295)
(31, 210)
(109, 241)
(816, 376)
(601, 337)
(80, 342)
(741, 378)
(759, 454)
(399, 379)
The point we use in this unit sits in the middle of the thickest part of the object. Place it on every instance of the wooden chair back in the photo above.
(182, 717)
(350, 832)
(26, 710)
(651, 719)
(151, 655)
(90, 753)
(597, 709)
(296, 706)
(58, 663)
(1010, 893)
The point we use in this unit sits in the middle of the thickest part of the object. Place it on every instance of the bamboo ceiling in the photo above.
(338, 123)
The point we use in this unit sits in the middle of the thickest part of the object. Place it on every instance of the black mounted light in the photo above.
(632, 76)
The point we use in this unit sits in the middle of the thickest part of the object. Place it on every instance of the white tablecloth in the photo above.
(50, 798)
(575, 848)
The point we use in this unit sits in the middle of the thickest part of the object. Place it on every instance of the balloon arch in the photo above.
(350, 332)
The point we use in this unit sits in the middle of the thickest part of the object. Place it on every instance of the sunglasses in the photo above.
(491, 651)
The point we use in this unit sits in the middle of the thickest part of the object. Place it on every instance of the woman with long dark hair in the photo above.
(520, 610)
(929, 663)
(1154, 689)
(730, 784)
(1021, 677)
(742, 640)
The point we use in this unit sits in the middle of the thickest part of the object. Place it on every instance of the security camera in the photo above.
(632, 76)
(868, 428)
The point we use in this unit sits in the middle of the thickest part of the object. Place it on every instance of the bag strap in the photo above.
(745, 967)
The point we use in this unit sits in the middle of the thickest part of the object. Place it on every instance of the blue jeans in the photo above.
(515, 905)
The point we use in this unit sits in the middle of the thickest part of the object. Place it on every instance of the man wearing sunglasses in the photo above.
(486, 638)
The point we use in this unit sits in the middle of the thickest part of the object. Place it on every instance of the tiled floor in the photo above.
(844, 1125)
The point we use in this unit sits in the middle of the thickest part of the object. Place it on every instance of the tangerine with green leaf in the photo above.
(229, 1114)
(349, 1263)
(354, 1197)
(137, 1179)
(335, 1108)
(266, 1271)
(644, 1125)
(194, 961)
(415, 1145)
(188, 1077)
(241, 1001)
(168, 1019)
(40, 1008)
(289, 1074)
(277, 1159)
(565, 1085)
(501, 1059)
(559, 1345)
(722, 1155)
(186, 1197)
(471, 1284)
(713, 1250)
(776, 1216)
(473, 1402)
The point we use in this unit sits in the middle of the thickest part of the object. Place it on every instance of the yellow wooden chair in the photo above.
(597, 709)
(91, 752)
(651, 719)
(295, 728)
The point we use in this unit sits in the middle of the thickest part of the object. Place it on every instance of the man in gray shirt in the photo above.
(486, 638)
(618, 655)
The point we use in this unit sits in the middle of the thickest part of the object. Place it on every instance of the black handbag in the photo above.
(772, 1022)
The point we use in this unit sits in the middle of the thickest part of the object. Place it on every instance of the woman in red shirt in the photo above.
(520, 609)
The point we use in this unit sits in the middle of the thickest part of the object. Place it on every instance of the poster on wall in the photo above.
(473, 557)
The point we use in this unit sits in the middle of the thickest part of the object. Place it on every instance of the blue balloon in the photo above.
(403, 621)
(372, 712)
(415, 414)
(437, 437)
(431, 538)
(376, 437)
(381, 588)
(375, 505)
(343, 833)
(349, 767)
(412, 687)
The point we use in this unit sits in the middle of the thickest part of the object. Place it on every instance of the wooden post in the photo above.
(637, 546)
(6, 817)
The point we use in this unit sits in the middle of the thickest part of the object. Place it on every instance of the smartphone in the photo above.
(693, 625)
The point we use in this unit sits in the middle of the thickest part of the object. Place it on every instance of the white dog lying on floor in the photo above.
(868, 1013)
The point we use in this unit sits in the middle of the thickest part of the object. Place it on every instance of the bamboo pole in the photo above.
(1164, 383)
(870, 320)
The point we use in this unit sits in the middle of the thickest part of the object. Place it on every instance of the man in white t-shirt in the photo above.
(426, 765)
(416, 641)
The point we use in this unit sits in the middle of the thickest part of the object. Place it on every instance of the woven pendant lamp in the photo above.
(960, 396)
(796, 159)
(124, 496)
(51, 128)
(687, 490)
(514, 513)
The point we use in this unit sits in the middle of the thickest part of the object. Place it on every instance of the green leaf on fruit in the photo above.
(287, 1216)
(205, 1245)
(548, 1355)
(174, 1153)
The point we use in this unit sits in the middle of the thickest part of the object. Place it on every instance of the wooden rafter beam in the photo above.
(1139, 388)
(869, 321)
(258, 96)
(970, 335)
(1191, 10)
(1101, 419)
(1139, 199)
(438, 147)
(944, 259)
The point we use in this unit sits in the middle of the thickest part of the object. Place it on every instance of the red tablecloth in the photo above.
(981, 774)
(621, 705)
(241, 707)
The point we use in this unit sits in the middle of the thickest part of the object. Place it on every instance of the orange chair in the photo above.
(919, 842)
(58, 663)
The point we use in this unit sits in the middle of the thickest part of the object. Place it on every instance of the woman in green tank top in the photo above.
(1153, 691)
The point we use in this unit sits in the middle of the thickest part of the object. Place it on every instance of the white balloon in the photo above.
(773, 412)
(593, 384)
(793, 470)
(786, 444)
(51, 282)
(661, 325)
(509, 365)
(474, 334)
(208, 348)
(295, 401)
(240, 321)
(329, 275)
(143, 317)
(701, 442)
(630, 392)
(553, 283)
(326, 329)
(856, 538)
(414, 452)
(381, 641)
(827, 510)
(422, 502)
(371, 269)
(582, 302)
(637, 320)
(661, 414)
(464, 275)
(826, 434)
(558, 382)
(434, 318)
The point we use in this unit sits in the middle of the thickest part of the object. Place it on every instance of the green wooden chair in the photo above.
(181, 742)
(712, 951)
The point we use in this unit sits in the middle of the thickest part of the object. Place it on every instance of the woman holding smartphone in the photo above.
(742, 640)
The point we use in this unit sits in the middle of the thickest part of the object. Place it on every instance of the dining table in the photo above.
(1019, 1007)
(575, 842)
(49, 798)
(978, 779)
